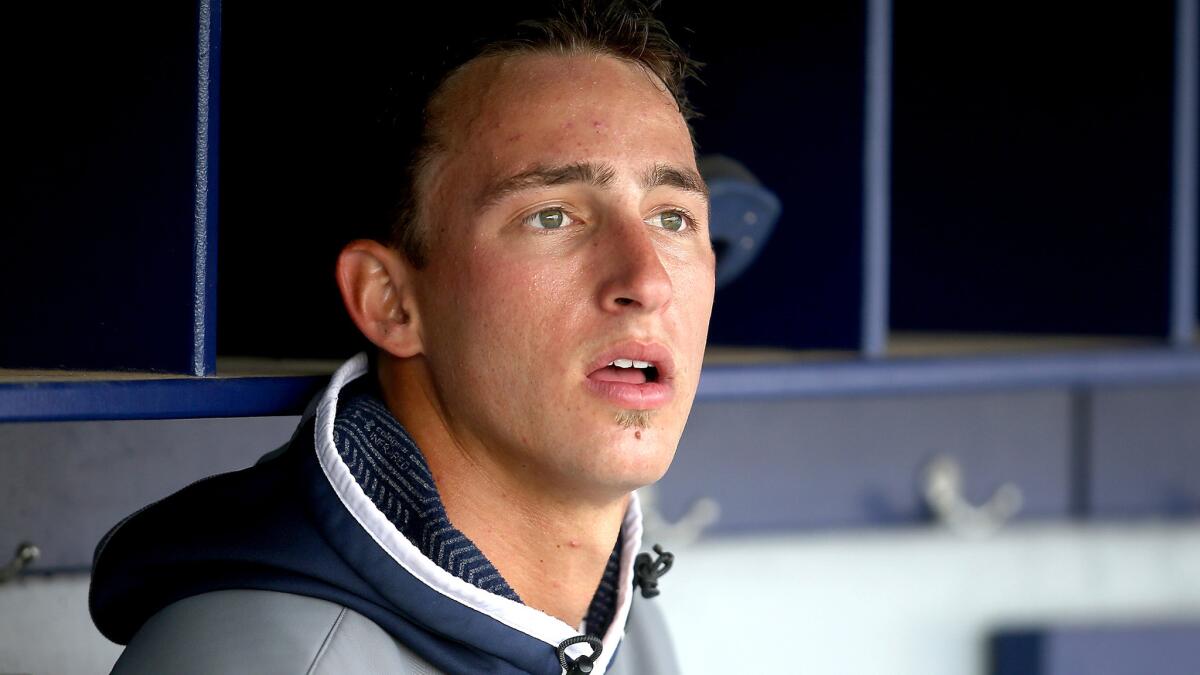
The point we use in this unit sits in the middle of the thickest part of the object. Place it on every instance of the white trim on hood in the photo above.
(528, 620)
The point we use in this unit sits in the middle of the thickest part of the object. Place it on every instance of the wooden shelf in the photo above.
(932, 344)
(720, 355)
(227, 367)
(936, 345)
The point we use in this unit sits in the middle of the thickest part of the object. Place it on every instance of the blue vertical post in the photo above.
(877, 178)
(1183, 206)
(204, 240)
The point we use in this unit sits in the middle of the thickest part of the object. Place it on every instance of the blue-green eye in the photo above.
(669, 220)
(548, 219)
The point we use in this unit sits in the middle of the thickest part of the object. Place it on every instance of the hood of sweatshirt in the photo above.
(314, 520)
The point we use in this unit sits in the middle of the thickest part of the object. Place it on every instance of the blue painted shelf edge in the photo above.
(934, 374)
(174, 398)
(288, 395)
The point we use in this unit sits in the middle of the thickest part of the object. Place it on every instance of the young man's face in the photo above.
(568, 229)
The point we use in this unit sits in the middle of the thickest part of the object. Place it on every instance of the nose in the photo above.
(634, 278)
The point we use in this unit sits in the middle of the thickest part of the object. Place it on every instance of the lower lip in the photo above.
(645, 396)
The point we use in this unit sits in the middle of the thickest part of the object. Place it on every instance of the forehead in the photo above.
(504, 114)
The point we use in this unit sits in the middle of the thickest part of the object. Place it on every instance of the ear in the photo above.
(376, 285)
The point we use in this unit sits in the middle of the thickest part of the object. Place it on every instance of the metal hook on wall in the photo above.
(26, 553)
(943, 490)
(683, 532)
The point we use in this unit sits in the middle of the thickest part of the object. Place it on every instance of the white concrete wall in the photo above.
(915, 602)
(45, 628)
(906, 602)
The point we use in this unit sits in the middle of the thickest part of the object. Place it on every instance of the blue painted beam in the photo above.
(204, 221)
(899, 376)
(877, 179)
(173, 398)
(1185, 185)
(254, 396)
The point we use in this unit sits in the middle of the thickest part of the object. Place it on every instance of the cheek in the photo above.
(694, 287)
(520, 302)
(693, 279)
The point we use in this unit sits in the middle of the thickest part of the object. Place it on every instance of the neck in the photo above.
(551, 547)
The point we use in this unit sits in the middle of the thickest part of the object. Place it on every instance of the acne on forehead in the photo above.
(501, 114)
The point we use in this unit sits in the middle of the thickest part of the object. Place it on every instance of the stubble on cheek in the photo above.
(634, 419)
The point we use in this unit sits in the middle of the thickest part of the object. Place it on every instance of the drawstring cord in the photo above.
(648, 571)
(583, 664)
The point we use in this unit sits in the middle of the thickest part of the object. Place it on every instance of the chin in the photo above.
(619, 451)
(634, 462)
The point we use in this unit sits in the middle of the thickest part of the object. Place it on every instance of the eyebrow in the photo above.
(593, 174)
(541, 176)
(676, 177)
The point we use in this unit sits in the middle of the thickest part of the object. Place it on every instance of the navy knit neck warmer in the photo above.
(393, 473)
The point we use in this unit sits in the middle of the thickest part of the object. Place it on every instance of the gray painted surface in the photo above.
(45, 628)
(840, 462)
(64, 484)
(1123, 650)
(771, 464)
(1145, 457)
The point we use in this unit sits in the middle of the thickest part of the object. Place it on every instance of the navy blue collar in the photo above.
(392, 471)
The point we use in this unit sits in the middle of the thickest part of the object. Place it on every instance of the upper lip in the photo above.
(658, 356)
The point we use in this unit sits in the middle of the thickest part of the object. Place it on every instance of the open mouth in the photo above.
(628, 371)
(633, 376)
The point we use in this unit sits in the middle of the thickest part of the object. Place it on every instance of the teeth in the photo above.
(629, 363)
